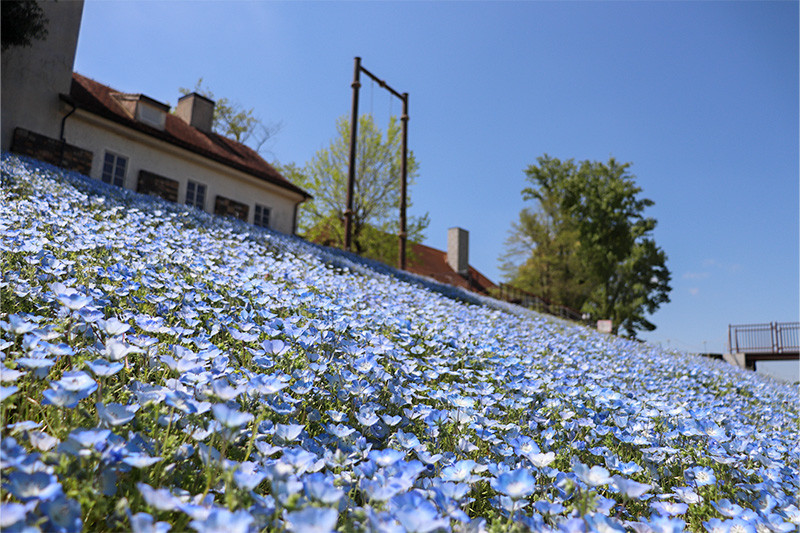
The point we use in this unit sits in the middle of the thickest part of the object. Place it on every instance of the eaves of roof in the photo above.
(96, 98)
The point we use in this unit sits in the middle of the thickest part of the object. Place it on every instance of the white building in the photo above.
(132, 140)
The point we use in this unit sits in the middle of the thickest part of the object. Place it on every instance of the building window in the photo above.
(261, 217)
(231, 208)
(114, 166)
(196, 194)
(155, 185)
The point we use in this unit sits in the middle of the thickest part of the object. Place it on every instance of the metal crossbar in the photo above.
(772, 338)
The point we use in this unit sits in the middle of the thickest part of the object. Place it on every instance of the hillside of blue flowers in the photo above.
(167, 370)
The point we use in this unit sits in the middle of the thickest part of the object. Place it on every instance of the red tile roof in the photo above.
(430, 262)
(97, 98)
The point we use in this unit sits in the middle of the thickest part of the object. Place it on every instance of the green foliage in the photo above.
(22, 22)
(587, 245)
(376, 196)
(232, 120)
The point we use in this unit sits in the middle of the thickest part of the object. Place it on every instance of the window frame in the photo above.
(196, 186)
(114, 178)
(259, 213)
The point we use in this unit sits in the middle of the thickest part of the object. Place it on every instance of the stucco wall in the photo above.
(99, 135)
(33, 77)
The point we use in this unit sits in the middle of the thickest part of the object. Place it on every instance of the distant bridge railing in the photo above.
(776, 340)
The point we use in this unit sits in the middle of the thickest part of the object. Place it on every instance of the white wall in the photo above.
(33, 77)
(99, 135)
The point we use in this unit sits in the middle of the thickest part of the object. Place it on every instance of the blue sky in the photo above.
(701, 97)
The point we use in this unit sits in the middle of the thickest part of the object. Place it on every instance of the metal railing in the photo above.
(772, 338)
(515, 295)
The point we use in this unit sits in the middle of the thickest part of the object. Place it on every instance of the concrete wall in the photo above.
(99, 135)
(33, 77)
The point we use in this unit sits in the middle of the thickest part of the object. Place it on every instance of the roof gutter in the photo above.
(68, 100)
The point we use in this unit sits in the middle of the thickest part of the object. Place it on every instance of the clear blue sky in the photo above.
(702, 98)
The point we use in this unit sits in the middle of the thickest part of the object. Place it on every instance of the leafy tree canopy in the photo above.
(586, 243)
(232, 120)
(22, 22)
(376, 197)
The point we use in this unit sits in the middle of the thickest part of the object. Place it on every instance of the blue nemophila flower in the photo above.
(669, 508)
(115, 414)
(230, 418)
(77, 381)
(340, 431)
(365, 416)
(42, 441)
(7, 392)
(391, 420)
(715, 525)
(275, 347)
(160, 499)
(223, 521)
(665, 524)
(103, 368)
(312, 520)
(687, 495)
(286, 433)
(224, 391)
(113, 326)
(320, 488)
(74, 301)
(541, 460)
(460, 471)
(700, 476)
(40, 365)
(271, 384)
(386, 457)
(17, 325)
(727, 508)
(145, 523)
(381, 487)
(602, 523)
(516, 484)
(64, 514)
(630, 488)
(7, 374)
(116, 350)
(26, 486)
(249, 475)
(61, 397)
(140, 460)
(416, 513)
(13, 513)
(594, 476)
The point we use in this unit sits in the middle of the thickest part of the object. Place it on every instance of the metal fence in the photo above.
(515, 295)
(772, 338)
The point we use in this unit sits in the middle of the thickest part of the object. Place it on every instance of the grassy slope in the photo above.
(239, 336)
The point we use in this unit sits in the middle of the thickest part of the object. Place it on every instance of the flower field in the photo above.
(167, 370)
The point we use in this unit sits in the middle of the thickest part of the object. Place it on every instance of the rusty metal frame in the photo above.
(351, 170)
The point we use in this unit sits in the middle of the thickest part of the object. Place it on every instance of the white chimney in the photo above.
(458, 250)
(197, 110)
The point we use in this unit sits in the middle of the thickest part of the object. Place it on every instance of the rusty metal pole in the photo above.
(351, 169)
(402, 236)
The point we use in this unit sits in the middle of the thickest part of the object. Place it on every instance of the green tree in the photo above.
(376, 197)
(588, 244)
(542, 248)
(22, 22)
(232, 120)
